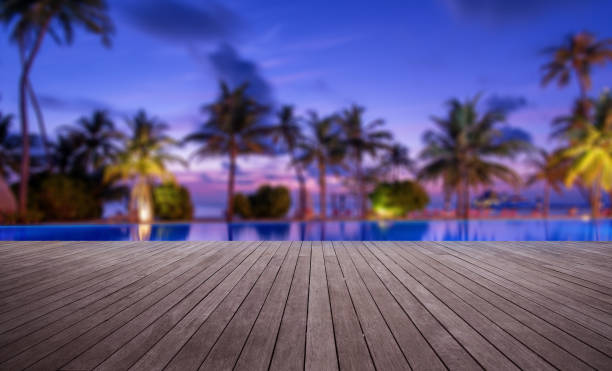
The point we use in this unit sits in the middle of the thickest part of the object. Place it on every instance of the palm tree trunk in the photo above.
(41, 124)
(23, 112)
(546, 205)
(141, 201)
(231, 183)
(466, 201)
(362, 190)
(37, 109)
(322, 191)
(459, 201)
(302, 193)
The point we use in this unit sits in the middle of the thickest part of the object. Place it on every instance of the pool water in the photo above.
(449, 230)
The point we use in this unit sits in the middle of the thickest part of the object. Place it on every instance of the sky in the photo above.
(402, 60)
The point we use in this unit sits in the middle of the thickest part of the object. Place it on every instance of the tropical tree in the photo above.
(9, 162)
(234, 127)
(31, 20)
(324, 149)
(96, 141)
(550, 171)
(361, 140)
(590, 155)
(289, 132)
(142, 161)
(577, 55)
(463, 150)
(396, 159)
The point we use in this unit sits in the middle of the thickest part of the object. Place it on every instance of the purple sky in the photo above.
(402, 60)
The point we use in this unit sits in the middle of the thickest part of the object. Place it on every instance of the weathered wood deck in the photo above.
(296, 305)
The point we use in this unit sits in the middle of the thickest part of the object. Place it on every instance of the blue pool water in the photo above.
(473, 230)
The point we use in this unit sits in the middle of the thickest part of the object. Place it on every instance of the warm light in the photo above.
(144, 232)
(145, 214)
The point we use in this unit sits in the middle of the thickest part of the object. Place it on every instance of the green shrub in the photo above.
(396, 199)
(266, 202)
(172, 202)
(58, 197)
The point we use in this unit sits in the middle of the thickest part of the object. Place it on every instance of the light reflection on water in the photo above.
(449, 230)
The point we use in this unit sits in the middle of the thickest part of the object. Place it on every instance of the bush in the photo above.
(242, 206)
(398, 198)
(172, 202)
(266, 202)
(58, 197)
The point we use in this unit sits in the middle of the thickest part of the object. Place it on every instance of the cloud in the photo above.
(178, 20)
(502, 11)
(235, 70)
(514, 133)
(75, 105)
(506, 103)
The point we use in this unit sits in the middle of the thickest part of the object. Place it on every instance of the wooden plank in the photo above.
(445, 345)
(353, 352)
(485, 354)
(172, 291)
(406, 334)
(276, 279)
(290, 346)
(38, 344)
(257, 351)
(229, 294)
(539, 344)
(509, 304)
(320, 343)
(135, 344)
(385, 351)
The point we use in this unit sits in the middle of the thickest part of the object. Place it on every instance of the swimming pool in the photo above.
(449, 230)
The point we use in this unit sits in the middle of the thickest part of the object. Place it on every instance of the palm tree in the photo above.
(576, 55)
(397, 159)
(233, 128)
(590, 155)
(549, 170)
(143, 161)
(96, 139)
(31, 20)
(462, 152)
(9, 161)
(289, 132)
(362, 139)
(324, 149)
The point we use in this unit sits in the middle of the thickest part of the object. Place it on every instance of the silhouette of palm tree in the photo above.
(289, 132)
(143, 160)
(576, 55)
(462, 151)
(362, 139)
(323, 148)
(233, 128)
(31, 20)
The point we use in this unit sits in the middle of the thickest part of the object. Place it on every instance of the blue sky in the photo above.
(400, 59)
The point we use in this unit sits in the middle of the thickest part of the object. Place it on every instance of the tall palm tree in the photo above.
(550, 171)
(576, 55)
(142, 161)
(396, 159)
(590, 155)
(362, 139)
(31, 20)
(9, 161)
(233, 128)
(96, 137)
(463, 150)
(323, 148)
(289, 132)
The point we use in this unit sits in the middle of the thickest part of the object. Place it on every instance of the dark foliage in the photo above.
(266, 202)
